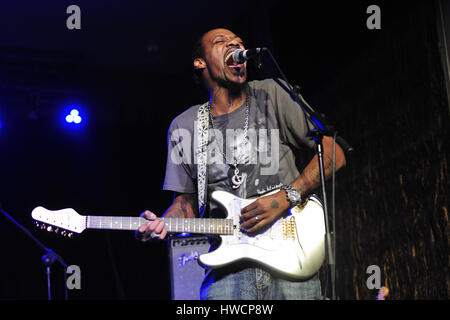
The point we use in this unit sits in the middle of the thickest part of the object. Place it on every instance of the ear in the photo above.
(199, 64)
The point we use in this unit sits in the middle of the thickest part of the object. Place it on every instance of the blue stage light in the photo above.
(74, 117)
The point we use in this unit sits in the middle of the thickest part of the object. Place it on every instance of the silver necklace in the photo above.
(236, 179)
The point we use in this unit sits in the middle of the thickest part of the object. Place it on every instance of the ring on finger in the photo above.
(152, 235)
(155, 235)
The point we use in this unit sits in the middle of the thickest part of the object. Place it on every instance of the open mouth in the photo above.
(231, 63)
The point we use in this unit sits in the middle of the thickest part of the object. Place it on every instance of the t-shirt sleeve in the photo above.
(294, 126)
(179, 176)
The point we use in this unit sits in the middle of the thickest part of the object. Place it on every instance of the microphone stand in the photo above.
(47, 260)
(320, 130)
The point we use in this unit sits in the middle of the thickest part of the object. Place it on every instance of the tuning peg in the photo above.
(49, 228)
(43, 226)
(64, 233)
(37, 224)
(70, 235)
(56, 230)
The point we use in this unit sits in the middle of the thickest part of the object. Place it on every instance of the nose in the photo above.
(233, 43)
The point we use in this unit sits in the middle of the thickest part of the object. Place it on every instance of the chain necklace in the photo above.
(236, 179)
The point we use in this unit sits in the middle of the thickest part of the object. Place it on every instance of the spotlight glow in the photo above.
(74, 117)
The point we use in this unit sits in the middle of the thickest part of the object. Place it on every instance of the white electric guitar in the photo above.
(293, 246)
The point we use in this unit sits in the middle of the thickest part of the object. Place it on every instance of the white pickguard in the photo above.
(293, 246)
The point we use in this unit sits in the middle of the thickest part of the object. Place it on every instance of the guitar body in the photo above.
(293, 246)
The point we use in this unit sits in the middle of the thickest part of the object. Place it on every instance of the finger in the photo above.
(153, 225)
(250, 207)
(145, 227)
(142, 234)
(148, 215)
(264, 222)
(157, 230)
(253, 231)
(251, 223)
(163, 234)
(249, 215)
(149, 235)
(159, 227)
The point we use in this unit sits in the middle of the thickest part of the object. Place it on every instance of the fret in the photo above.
(115, 223)
(168, 223)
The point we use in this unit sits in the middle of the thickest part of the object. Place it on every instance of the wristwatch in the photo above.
(292, 194)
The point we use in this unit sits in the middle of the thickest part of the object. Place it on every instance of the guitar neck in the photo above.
(173, 225)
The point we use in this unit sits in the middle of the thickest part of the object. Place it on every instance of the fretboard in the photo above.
(173, 225)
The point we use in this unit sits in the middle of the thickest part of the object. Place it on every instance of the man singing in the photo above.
(255, 133)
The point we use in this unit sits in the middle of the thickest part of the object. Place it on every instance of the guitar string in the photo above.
(179, 224)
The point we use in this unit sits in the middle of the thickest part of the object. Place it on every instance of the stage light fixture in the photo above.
(74, 117)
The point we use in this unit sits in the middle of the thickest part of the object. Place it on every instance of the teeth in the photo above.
(228, 56)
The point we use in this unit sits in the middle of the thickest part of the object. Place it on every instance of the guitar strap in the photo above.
(202, 156)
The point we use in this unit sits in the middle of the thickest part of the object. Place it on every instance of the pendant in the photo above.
(236, 179)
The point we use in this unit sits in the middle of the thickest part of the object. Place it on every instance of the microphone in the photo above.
(240, 55)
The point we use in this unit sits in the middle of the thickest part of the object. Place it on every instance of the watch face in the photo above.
(294, 196)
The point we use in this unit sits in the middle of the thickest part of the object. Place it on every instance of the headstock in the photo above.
(64, 221)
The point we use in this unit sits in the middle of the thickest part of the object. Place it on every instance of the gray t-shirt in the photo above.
(277, 131)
